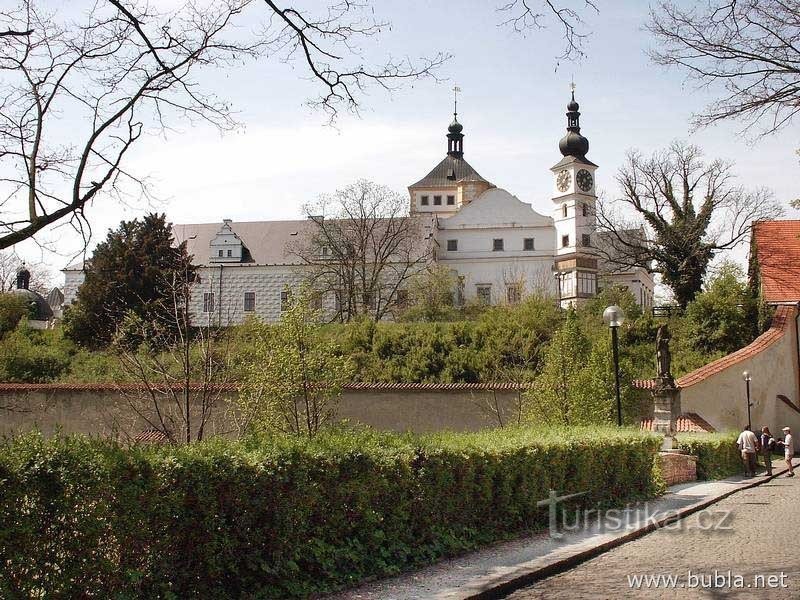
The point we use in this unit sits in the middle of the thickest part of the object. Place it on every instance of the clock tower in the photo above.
(574, 202)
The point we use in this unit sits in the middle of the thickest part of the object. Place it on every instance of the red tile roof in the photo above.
(777, 250)
(151, 436)
(687, 423)
(784, 315)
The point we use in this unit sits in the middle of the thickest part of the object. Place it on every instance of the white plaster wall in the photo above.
(721, 398)
(639, 282)
(535, 273)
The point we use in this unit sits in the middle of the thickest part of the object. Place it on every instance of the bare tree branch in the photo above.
(746, 50)
(525, 15)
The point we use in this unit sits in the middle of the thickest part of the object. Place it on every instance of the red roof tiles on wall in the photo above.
(230, 387)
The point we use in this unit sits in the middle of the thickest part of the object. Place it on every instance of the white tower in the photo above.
(574, 202)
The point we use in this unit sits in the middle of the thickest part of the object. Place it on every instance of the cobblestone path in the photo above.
(755, 553)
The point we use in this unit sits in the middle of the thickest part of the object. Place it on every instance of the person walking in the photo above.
(748, 446)
(788, 449)
(767, 443)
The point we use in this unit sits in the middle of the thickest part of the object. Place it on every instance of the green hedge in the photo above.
(717, 454)
(285, 518)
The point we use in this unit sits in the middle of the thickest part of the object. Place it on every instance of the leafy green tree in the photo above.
(295, 376)
(722, 317)
(431, 296)
(12, 310)
(134, 270)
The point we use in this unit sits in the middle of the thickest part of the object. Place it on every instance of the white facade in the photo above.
(499, 247)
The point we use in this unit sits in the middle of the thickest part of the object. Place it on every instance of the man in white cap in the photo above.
(788, 449)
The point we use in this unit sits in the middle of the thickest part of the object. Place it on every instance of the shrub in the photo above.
(717, 454)
(32, 356)
(279, 517)
(13, 309)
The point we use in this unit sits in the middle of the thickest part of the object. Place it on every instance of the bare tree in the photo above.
(748, 50)
(685, 210)
(76, 97)
(526, 15)
(181, 370)
(364, 249)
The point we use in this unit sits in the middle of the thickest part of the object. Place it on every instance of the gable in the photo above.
(496, 207)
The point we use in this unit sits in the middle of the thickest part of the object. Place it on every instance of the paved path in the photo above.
(474, 573)
(760, 519)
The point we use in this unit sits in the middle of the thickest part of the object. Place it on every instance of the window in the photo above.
(208, 302)
(564, 210)
(513, 293)
(423, 200)
(402, 298)
(484, 293)
(587, 283)
(230, 253)
(527, 244)
(585, 209)
(286, 298)
(586, 240)
(451, 200)
(325, 251)
(220, 253)
(497, 245)
(564, 241)
(249, 301)
(437, 200)
(316, 302)
(452, 245)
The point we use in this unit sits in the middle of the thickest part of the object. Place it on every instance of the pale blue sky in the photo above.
(512, 107)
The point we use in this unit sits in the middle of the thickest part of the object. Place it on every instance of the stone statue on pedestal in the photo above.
(666, 395)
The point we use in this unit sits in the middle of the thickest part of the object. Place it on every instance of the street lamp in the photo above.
(614, 316)
(747, 380)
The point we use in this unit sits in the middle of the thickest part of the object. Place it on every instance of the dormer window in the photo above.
(226, 246)
(451, 174)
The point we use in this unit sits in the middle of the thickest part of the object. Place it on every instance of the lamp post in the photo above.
(747, 380)
(614, 316)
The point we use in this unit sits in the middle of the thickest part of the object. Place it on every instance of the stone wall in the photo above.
(677, 468)
(125, 411)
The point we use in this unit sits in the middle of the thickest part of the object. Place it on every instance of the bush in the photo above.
(33, 356)
(717, 454)
(13, 309)
(280, 517)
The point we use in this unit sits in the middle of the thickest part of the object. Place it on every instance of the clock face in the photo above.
(584, 180)
(563, 180)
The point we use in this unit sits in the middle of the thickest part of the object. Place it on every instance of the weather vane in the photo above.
(456, 90)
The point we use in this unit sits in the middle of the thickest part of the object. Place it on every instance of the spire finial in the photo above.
(456, 90)
(572, 88)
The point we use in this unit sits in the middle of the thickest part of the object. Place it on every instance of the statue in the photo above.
(663, 356)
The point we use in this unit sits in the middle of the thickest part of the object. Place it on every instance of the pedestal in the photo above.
(666, 410)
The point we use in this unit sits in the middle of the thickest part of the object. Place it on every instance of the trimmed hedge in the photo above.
(717, 453)
(281, 518)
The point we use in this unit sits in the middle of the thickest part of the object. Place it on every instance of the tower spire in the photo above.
(455, 139)
(573, 144)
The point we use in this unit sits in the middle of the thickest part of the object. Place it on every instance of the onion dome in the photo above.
(573, 144)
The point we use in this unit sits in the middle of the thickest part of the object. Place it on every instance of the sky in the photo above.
(512, 106)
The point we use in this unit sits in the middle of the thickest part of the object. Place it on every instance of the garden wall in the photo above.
(717, 391)
(122, 411)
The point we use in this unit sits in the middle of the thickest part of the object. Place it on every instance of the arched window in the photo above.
(564, 210)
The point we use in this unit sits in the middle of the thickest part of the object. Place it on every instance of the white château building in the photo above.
(498, 246)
